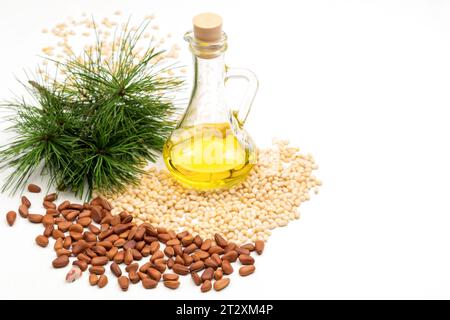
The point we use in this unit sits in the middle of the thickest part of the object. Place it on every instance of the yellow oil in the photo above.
(208, 156)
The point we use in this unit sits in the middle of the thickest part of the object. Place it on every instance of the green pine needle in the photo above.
(97, 129)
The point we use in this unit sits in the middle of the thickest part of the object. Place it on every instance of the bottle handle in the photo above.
(249, 96)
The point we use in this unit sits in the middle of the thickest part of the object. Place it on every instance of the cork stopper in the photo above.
(207, 27)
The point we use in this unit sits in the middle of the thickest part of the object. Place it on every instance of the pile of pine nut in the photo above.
(64, 40)
(281, 180)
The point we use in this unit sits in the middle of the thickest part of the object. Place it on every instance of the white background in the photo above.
(362, 85)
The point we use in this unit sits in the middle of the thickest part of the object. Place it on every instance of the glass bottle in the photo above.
(209, 149)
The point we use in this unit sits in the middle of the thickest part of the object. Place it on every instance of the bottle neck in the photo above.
(209, 73)
(207, 103)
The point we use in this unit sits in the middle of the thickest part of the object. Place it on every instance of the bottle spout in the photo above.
(189, 37)
(206, 39)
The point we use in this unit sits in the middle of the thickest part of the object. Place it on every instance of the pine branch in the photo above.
(97, 129)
